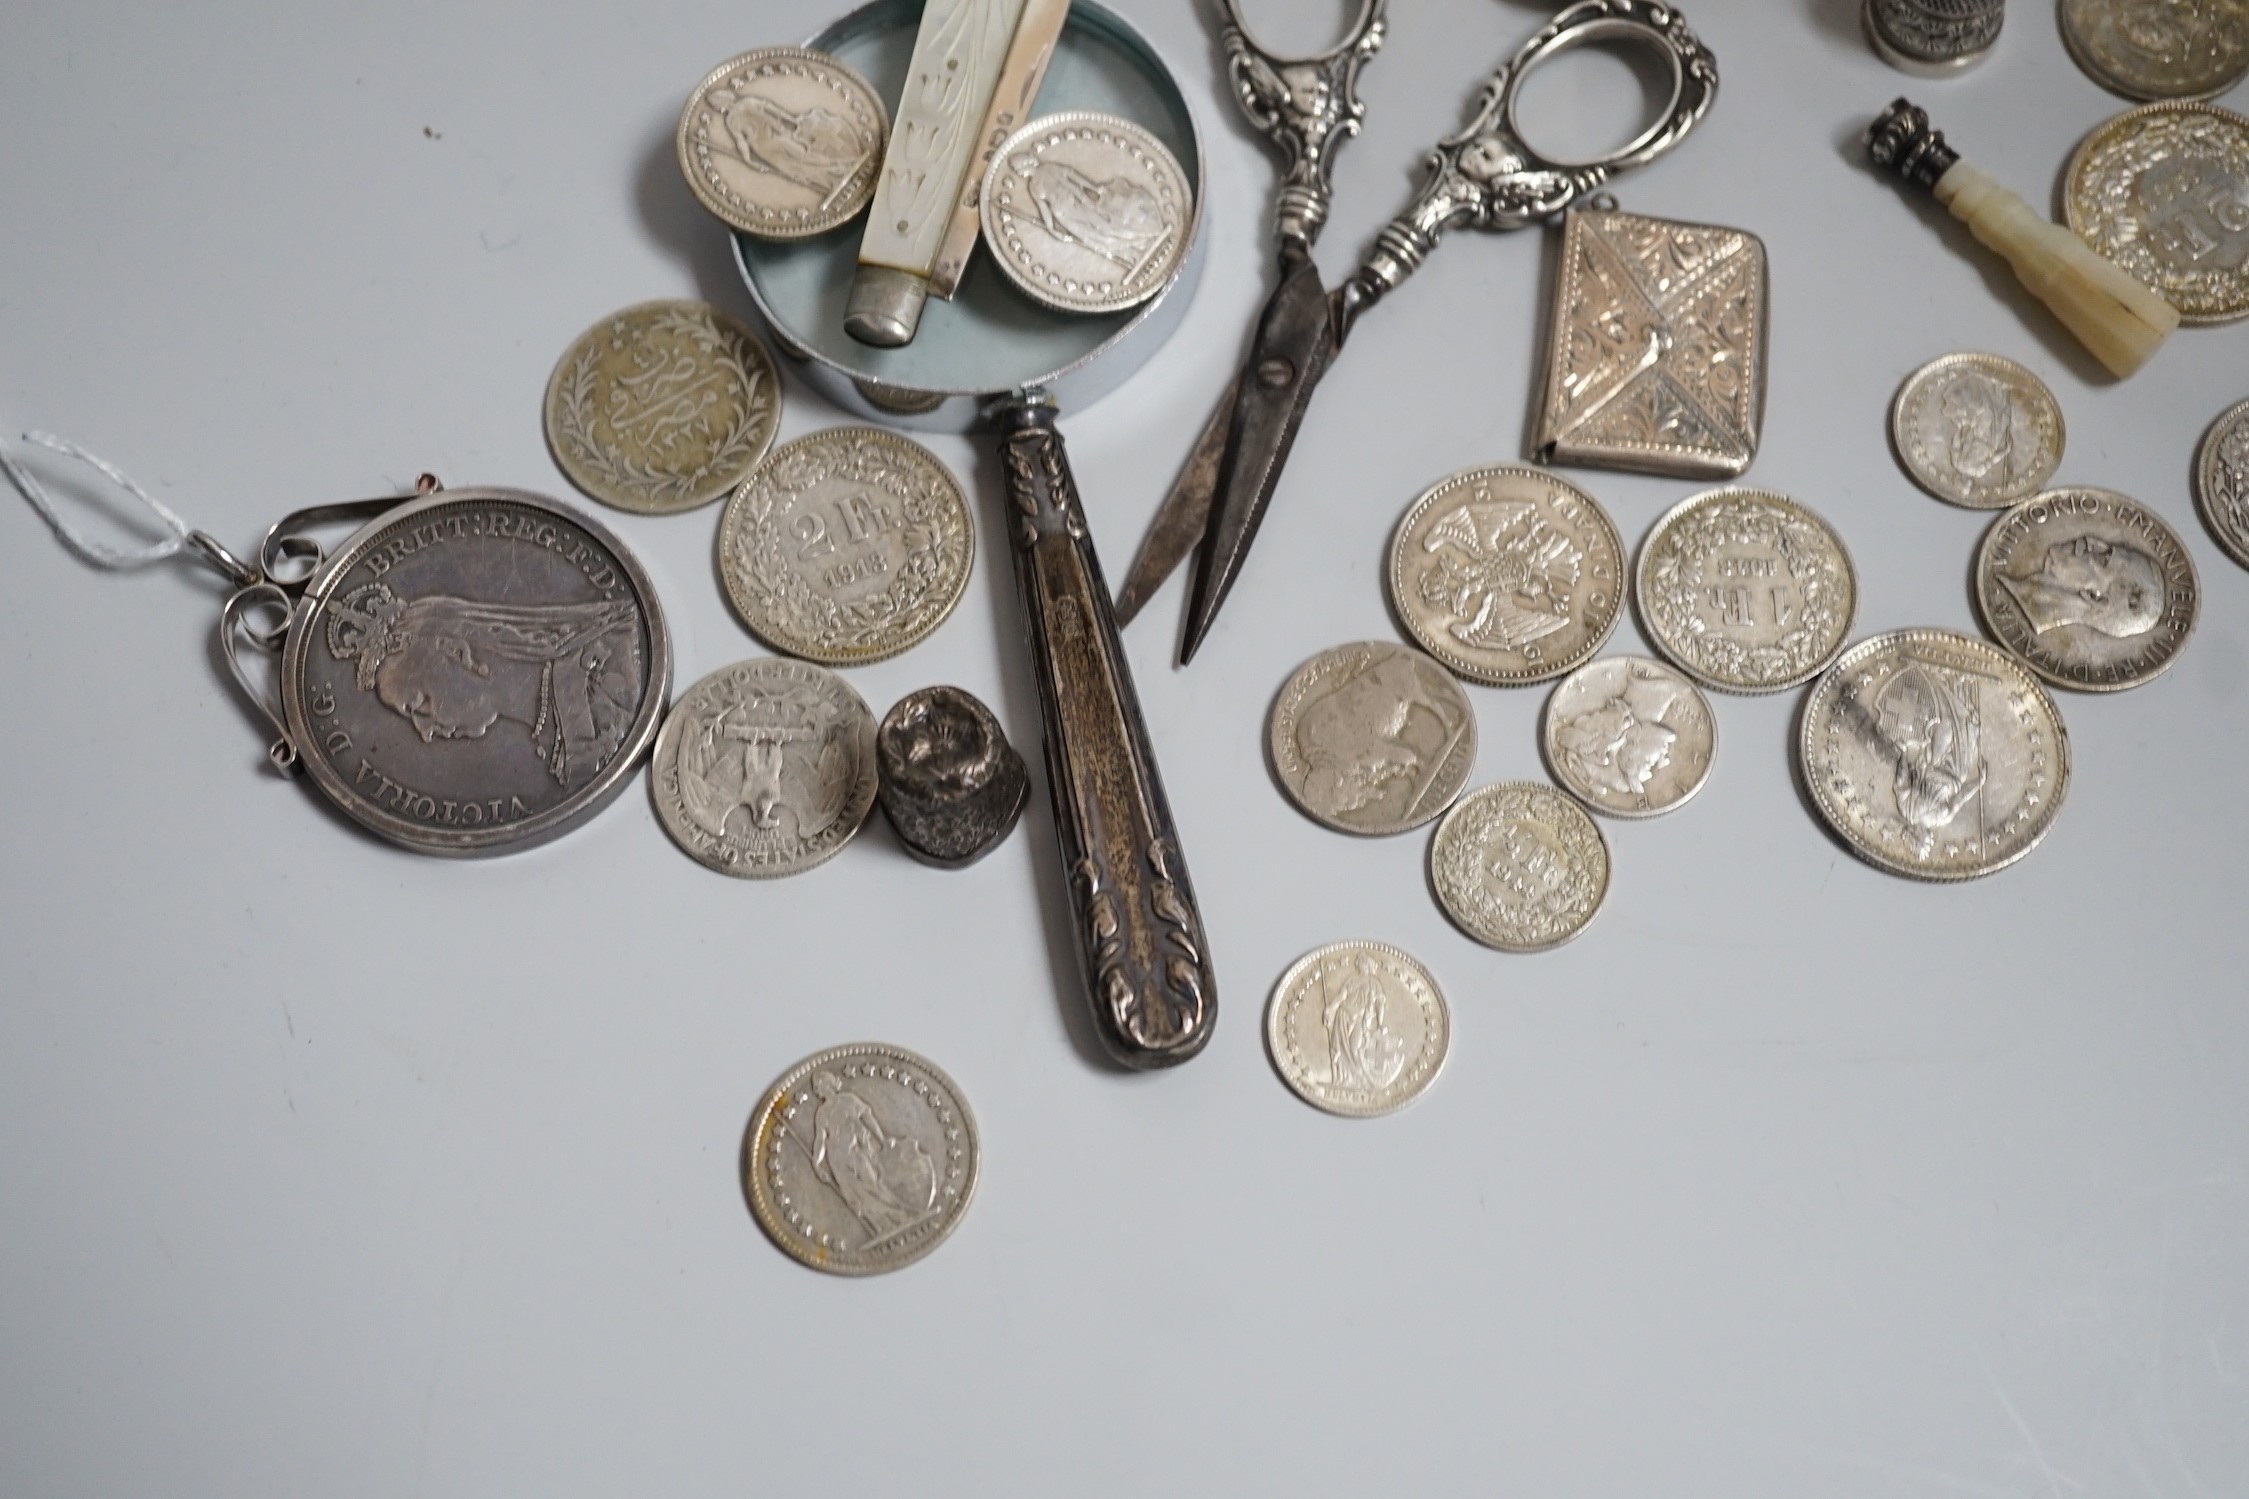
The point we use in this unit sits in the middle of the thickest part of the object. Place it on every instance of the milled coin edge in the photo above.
(724, 213)
(2205, 481)
(1567, 784)
(1274, 1042)
(2073, 177)
(1912, 383)
(1600, 899)
(987, 200)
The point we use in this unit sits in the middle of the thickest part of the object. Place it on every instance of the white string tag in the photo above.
(84, 547)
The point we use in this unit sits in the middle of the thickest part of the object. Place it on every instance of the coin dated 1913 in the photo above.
(1977, 430)
(860, 1159)
(1519, 866)
(1629, 737)
(1934, 755)
(1508, 575)
(475, 671)
(1372, 738)
(2221, 482)
(1358, 1029)
(2087, 588)
(662, 407)
(1087, 212)
(2159, 49)
(846, 546)
(765, 768)
(1745, 590)
(2163, 190)
(782, 143)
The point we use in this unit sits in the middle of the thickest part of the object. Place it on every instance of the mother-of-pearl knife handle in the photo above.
(1017, 90)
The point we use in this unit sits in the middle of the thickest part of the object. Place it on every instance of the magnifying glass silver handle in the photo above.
(1139, 933)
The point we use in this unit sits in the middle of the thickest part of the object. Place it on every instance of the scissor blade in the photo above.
(1184, 515)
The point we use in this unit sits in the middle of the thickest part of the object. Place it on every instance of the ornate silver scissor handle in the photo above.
(1307, 105)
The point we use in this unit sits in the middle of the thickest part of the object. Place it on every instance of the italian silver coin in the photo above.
(1372, 738)
(1745, 590)
(1086, 212)
(2159, 49)
(2221, 482)
(783, 143)
(2163, 190)
(1629, 737)
(1977, 430)
(1519, 866)
(861, 1159)
(1358, 1029)
(2087, 588)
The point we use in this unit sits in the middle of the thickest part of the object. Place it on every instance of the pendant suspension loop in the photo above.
(205, 548)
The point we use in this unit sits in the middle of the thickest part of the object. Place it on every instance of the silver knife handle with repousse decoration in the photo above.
(1139, 934)
(1308, 106)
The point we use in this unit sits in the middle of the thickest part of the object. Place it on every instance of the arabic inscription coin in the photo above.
(861, 1159)
(1745, 590)
(765, 768)
(2163, 190)
(1629, 736)
(1358, 1029)
(2159, 49)
(1372, 738)
(1508, 575)
(782, 143)
(1977, 430)
(1519, 866)
(2221, 482)
(1933, 755)
(2087, 588)
(846, 546)
(1087, 212)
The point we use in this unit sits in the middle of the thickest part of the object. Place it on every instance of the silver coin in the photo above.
(2221, 482)
(1519, 866)
(1629, 736)
(861, 1159)
(1087, 212)
(662, 407)
(1934, 755)
(2163, 190)
(2087, 588)
(783, 143)
(1358, 1029)
(847, 546)
(1745, 590)
(765, 768)
(478, 670)
(2159, 49)
(1372, 738)
(1977, 430)
(1508, 575)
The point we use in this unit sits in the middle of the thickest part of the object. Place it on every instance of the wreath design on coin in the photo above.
(1524, 867)
(621, 465)
(1808, 550)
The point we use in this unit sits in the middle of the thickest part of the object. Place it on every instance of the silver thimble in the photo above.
(1930, 38)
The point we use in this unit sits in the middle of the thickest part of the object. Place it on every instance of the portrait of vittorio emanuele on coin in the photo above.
(1372, 738)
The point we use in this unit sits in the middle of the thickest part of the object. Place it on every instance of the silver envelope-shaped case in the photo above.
(1657, 357)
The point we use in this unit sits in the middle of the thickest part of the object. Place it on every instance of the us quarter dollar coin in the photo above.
(662, 407)
(475, 671)
(2159, 49)
(1977, 430)
(1087, 212)
(1519, 866)
(2163, 190)
(1746, 591)
(782, 143)
(1372, 738)
(1629, 736)
(1358, 1029)
(1507, 575)
(861, 1159)
(1934, 755)
(846, 546)
(765, 768)
(2221, 482)
(2087, 588)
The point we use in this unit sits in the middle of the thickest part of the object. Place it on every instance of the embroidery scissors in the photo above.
(1484, 177)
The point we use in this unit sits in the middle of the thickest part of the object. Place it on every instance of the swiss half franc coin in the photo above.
(1086, 212)
(2159, 49)
(2221, 482)
(782, 143)
(1746, 591)
(1519, 866)
(2087, 588)
(861, 1159)
(765, 768)
(2163, 190)
(1358, 1029)
(662, 407)
(1934, 755)
(1977, 430)
(1629, 737)
(1507, 575)
(1372, 738)
(846, 546)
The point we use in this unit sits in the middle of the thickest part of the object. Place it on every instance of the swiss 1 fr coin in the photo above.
(2159, 49)
(2163, 190)
(662, 407)
(1933, 755)
(783, 143)
(765, 768)
(860, 1159)
(1977, 430)
(1372, 738)
(2087, 588)
(846, 546)
(1087, 212)
(952, 786)
(2221, 482)
(1629, 737)
(475, 671)
(1519, 866)
(1507, 575)
(1745, 590)
(1358, 1029)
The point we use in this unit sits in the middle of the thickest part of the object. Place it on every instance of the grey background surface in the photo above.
(326, 1169)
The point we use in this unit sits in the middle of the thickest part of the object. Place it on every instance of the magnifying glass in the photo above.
(993, 359)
